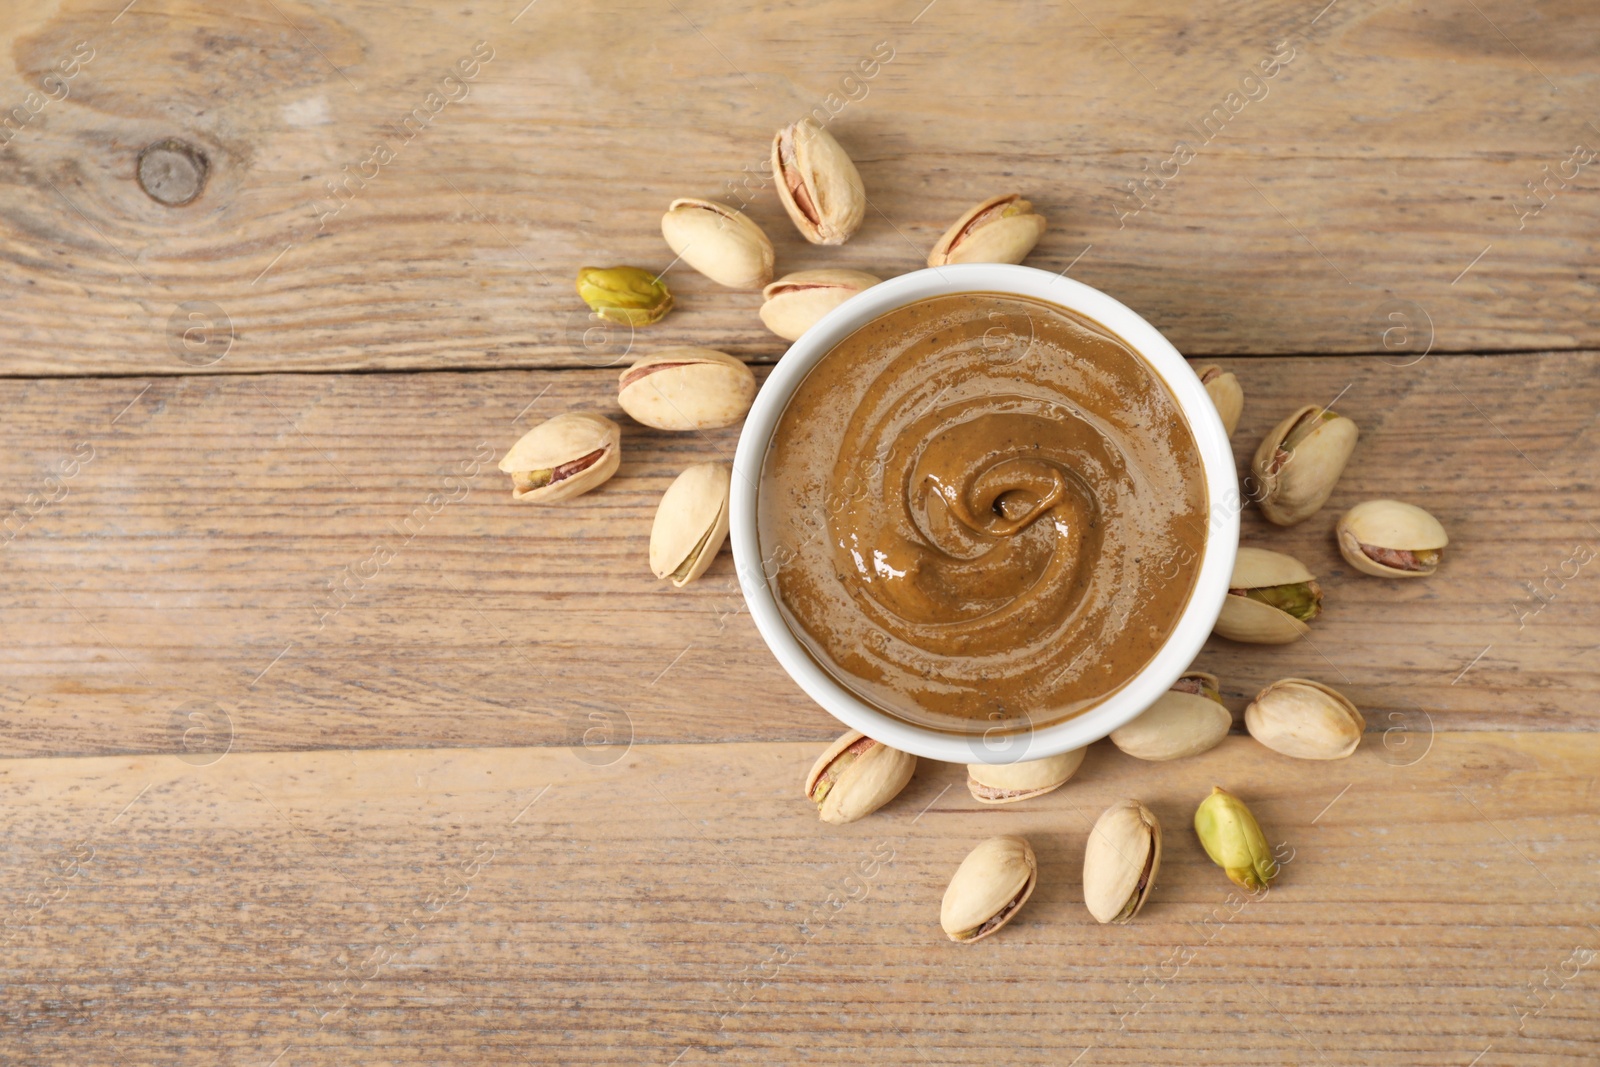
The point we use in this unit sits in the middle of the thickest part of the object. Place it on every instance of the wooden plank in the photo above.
(191, 559)
(682, 904)
(1389, 157)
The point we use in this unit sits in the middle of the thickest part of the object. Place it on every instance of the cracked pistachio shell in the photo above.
(1299, 462)
(1227, 396)
(1179, 723)
(563, 457)
(686, 389)
(1258, 623)
(794, 303)
(1003, 229)
(818, 184)
(988, 889)
(856, 776)
(1007, 783)
(1120, 861)
(719, 242)
(1233, 839)
(629, 295)
(691, 523)
(1305, 719)
(1391, 539)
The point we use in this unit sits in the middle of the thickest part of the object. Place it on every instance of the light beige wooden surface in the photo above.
(682, 904)
(1385, 157)
(192, 558)
(515, 802)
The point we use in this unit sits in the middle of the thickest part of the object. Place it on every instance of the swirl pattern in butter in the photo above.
(981, 512)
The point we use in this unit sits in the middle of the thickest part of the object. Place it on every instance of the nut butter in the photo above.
(982, 512)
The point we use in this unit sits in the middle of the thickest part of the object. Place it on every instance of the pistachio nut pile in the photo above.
(1272, 600)
(857, 775)
(683, 389)
(1272, 597)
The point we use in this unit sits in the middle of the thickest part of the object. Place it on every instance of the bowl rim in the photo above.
(1011, 744)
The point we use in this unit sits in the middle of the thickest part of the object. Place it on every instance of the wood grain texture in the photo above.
(351, 759)
(682, 904)
(195, 556)
(1389, 157)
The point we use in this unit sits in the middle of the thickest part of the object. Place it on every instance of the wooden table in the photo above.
(320, 750)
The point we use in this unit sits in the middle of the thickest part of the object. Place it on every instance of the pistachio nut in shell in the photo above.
(1305, 719)
(1233, 839)
(629, 295)
(1002, 229)
(686, 389)
(1120, 861)
(1391, 539)
(1227, 396)
(794, 303)
(719, 242)
(856, 776)
(988, 889)
(563, 457)
(1271, 599)
(817, 183)
(691, 523)
(1186, 720)
(1007, 783)
(1299, 462)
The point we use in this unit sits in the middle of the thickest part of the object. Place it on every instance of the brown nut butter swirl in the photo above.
(981, 512)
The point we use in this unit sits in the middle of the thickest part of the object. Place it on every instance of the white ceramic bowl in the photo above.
(1008, 746)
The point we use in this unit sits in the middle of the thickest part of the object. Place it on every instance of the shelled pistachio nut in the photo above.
(1391, 539)
(1233, 839)
(1271, 598)
(691, 523)
(629, 295)
(794, 302)
(1120, 861)
(1007, 783)
(1002, 229)
(988, 889)
(719, 242)
(1299, 463)
(686, 389)
(1305, 719)
(817, 183)
(1186, 720)
(856, 776)
(563, 457)
(1227, 396)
